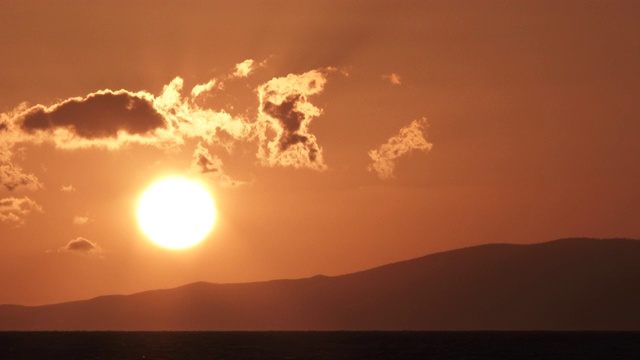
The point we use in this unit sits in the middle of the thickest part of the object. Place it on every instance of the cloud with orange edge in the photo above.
(284, 118)
(411, 137)
(112, 119)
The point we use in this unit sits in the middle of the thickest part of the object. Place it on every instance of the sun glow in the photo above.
(176, 213)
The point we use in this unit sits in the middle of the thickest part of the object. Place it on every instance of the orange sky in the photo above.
(488, 121)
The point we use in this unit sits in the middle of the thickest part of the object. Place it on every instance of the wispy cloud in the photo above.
(67, 188)
(80, 220)
(210, 166)
(204, 88)
(411, 137)
(190, 121)
(14, 210)
(393, 78)
(13, 178)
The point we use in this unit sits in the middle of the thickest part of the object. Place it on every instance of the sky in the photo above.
(334, 136)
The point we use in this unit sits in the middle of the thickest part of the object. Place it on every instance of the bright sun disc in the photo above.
(176, 213)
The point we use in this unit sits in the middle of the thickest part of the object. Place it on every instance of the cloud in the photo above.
(104, 119)
(393, 78)
(241, 70)
(5, 149)
(112, 119)
(13, 178)
(284, 117)
(99, 115)
(210, 166)
(14, 210)
(67, 188)
(410, 137)
(80, 220)
(203, 88)
(189, 120)
(81, 245)
(244, 68)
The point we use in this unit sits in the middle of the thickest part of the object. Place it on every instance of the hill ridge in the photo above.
(565, 284)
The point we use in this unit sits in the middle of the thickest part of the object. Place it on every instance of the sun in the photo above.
(176, 213)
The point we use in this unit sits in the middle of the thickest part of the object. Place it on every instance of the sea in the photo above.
(319, 345)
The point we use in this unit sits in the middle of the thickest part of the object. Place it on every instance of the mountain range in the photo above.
(566, 284)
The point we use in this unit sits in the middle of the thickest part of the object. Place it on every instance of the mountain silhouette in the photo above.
(567, 284)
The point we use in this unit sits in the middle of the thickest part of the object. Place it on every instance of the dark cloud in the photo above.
(99, 115)
(81, 245)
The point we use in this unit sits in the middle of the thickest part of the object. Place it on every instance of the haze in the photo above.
(334, 136)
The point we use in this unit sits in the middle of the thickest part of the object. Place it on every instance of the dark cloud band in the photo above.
(99, 115)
